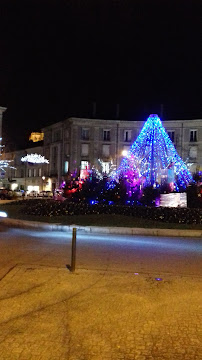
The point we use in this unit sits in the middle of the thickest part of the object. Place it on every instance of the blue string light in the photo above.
(152, 156)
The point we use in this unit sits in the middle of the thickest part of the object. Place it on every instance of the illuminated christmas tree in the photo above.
(153, 159)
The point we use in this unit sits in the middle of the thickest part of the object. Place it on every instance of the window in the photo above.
(193, 136)
(171, 135)
(66, 167)
(21, 173)
(54, 152)
(106, 135)
(54, 158)
(85, 134)
(34, 172)
(106, 150)
(127, 135)
(29, 172)
(84, 165)
(66, 134)
(84, 149)
(193, 152)
(66, 149)
(47, 137)
(57, 135)
(47, 153)
(40, 172)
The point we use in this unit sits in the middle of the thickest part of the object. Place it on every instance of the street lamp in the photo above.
(124, 152)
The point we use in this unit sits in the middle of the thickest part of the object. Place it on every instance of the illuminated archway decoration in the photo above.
(35, 159)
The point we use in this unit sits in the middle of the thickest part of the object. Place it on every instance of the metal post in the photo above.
(73, 260)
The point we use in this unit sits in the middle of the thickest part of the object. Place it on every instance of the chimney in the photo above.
(117, 111)
(94, 109)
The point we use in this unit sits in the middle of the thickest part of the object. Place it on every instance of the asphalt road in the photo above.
(138, 254)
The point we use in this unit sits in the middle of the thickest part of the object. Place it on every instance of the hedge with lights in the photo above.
(49, 208)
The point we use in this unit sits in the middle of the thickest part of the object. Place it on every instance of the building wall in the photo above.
(2, 110)
(26, 175)
(65, 147)
(70, 143)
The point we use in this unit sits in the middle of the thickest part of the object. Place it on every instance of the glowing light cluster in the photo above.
(153, 157)
(6, 164)
(35, 159)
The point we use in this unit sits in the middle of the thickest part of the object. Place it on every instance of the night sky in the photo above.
(58, 57)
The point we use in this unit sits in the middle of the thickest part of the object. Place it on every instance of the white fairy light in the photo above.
(35, 159)
(5, 164)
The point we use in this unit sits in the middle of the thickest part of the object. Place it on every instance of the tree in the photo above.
(153, 159)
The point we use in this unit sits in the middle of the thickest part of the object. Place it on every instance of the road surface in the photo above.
(94, 251)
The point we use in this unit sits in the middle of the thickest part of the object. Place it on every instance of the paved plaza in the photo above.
(48, 313)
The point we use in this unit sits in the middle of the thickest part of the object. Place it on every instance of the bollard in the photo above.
(73, 260)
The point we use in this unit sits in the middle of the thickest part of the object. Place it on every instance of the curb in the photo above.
(25, 224)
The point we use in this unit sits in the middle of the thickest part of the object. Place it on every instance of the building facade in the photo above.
(24, 175)
(76, 143)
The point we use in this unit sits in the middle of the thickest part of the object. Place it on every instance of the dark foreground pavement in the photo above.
(49, 313)
(103, 313)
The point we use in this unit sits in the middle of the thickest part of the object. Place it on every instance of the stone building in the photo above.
(77, 143)
(26, 175)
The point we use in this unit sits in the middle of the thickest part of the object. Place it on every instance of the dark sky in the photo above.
(57, 57)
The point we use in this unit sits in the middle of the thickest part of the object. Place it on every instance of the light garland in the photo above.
(151, 155)
(35, 159)
(5, 164)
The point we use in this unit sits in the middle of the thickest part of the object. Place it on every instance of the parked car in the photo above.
(18, 193)
(45, 194)
(32, 193)
(5, 194)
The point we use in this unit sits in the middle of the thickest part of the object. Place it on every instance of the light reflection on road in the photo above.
(179, 243)
(103, 251)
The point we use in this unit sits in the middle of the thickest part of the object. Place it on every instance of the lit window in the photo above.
(193, 136)
(84, 165)
(66, 168)
(39, 171)
(106, 135)
(34, 172)
(106, 150)
(84, 149)
(171, 135)
(85, 134)
(127, 135)
(29, 172)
